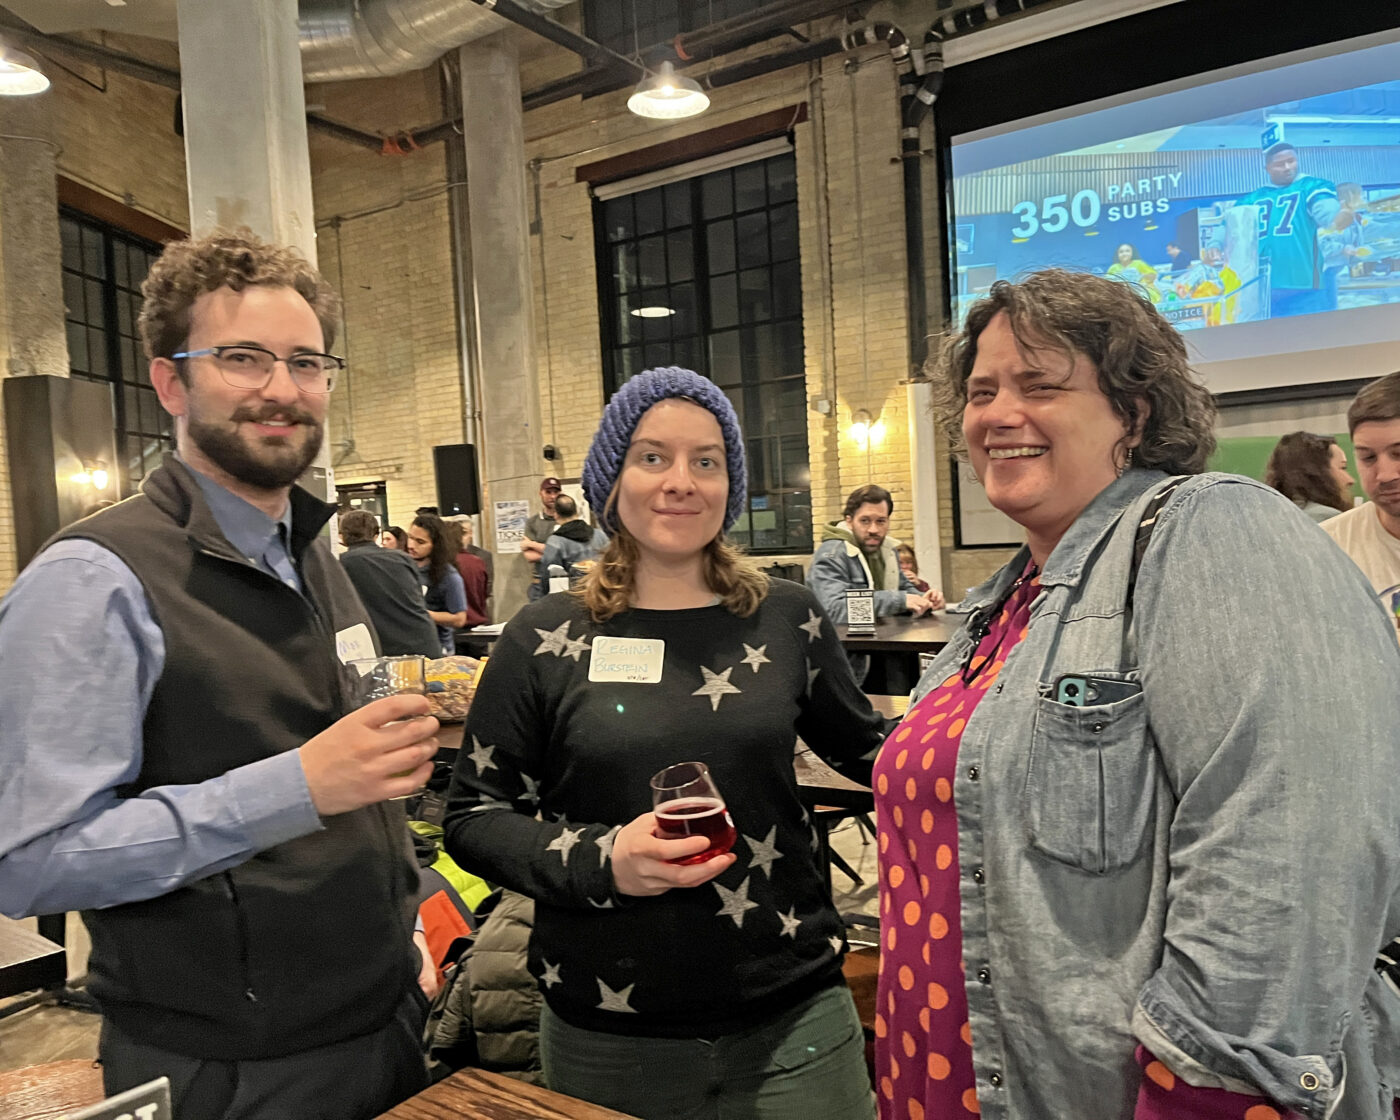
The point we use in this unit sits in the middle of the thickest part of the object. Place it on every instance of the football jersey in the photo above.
(1288, 231)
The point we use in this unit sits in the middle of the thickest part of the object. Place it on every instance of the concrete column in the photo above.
(32, 337)
(246, 156)
(509, 399)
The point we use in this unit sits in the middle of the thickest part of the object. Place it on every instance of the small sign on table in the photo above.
(860, 611)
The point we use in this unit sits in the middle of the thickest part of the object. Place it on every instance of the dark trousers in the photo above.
(352, 1080)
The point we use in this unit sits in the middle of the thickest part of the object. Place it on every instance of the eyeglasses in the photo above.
(250, 367)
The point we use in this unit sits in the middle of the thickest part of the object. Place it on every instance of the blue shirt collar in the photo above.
(246, 527)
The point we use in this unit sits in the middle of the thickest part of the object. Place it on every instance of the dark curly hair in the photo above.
(1138, 355)
(1300, 468)
(443, 555)
(223, 259)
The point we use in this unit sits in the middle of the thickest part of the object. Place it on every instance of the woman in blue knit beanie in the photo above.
(695, 974)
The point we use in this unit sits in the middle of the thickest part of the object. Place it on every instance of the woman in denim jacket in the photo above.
(1139, 830)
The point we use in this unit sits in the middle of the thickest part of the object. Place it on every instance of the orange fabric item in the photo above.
(442, 925)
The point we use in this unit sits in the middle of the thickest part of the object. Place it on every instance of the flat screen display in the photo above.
(1258, 208)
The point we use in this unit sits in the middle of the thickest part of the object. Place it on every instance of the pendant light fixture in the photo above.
(19, 73)
(668, 96)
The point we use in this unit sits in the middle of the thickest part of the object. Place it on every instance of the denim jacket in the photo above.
(1207, 859)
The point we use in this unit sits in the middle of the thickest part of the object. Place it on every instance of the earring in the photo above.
(1127, 463)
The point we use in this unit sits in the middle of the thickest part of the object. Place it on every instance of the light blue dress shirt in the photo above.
(79, 656)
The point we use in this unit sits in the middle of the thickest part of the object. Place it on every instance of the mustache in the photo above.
(273, 412)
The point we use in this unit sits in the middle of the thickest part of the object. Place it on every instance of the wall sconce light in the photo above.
(866, 430)
(94, 474)
(20, 73)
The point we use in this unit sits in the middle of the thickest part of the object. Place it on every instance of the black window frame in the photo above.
(102, 299)
(720, 328)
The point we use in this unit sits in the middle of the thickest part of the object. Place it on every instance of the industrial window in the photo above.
(632, 25)
(704, 273)
(102, 272)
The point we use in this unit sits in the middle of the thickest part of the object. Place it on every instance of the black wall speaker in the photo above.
(454, 467)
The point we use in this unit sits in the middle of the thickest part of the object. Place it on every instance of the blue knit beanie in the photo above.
(624, 412)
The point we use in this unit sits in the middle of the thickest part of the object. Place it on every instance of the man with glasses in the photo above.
(179, 762)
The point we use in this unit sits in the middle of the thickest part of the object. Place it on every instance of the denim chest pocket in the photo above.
(1090, 783)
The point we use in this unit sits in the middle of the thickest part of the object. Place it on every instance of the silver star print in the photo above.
(605, 843)
(715, 686)
(812, 671)
(765, 851)
(551, 975)
(532, 789)
(573, 647)
(735, 902)
(813, 625)
(615, 1001)
(564, 842)
(836, 944)
(790, 922)
(606, 904)
(481, 756)
(553, 641)
(490, 803)
(755, 657)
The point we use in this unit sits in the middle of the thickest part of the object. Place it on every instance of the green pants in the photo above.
(805, 1064)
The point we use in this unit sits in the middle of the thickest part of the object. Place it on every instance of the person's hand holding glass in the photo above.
(683, 842)
(383, 749)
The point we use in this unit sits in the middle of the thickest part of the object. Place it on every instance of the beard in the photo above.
(267, 463)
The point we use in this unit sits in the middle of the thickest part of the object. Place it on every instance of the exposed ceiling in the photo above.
(152, 18)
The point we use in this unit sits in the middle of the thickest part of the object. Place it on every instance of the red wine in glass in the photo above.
(687, 803)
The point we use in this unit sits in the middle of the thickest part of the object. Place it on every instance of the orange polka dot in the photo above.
(970, 1102)
(1024, 631)
(1005, 617)
(927, 760)
(904, 733)
(887, 903)
(943, 857)
(966, 1033)
(908, 1041)
(890, 939)
(882, 783)
(884, 842)
(911, 789)
(881, 1028)
(926, 821)
(898, 814)
(916, 1111)
(955, 728)
(939, 718)
(894, 1069)
(947, 695)
(1159, 1073)
(943, 789)
(937, 996)
(926, 956)
(939, 1067)
(949, 681)
(912, 913)
(923, 1020)
(1262, 1112)
(912, 849)
(889, 1001)
(976, 663)
(923, 885)
(906, 977)
(996, 667)
(938, 927)
(896, 875)
(961, 705)
(887, 1088)
(901, 759)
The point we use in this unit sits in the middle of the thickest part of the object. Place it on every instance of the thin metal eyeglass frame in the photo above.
(216, 352)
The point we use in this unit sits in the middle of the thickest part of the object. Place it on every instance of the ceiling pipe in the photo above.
(595, 54)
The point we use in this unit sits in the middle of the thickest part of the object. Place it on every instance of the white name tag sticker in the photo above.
(630, 660)
(352, 642)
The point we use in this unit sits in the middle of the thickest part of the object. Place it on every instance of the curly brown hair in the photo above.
(1137, 354)
(1300, 468)
(610, 584)
(223, 259)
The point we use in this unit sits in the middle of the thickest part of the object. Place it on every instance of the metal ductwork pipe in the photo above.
(346, 39)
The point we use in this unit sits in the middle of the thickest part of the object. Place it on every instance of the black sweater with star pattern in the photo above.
(552, 764)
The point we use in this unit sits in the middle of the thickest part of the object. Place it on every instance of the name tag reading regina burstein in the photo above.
(629, 660)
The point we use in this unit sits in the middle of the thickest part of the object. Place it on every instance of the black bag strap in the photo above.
(1145, 527)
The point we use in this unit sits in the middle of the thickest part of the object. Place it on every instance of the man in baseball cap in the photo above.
(540, 525)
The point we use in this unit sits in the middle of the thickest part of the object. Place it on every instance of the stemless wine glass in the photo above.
(686, 802)
(373, 678)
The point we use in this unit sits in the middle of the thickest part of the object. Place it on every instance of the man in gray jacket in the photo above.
(573, 542)
(857, 553)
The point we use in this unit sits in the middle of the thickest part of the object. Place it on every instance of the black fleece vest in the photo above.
(306, 943)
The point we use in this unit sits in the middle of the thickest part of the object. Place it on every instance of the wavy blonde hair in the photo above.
(611, 583)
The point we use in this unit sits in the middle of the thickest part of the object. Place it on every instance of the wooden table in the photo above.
(474, 1094)
(28, 961)
(903, 633)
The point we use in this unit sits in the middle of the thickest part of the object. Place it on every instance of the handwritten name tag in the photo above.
(352, 642)
(631, 660)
